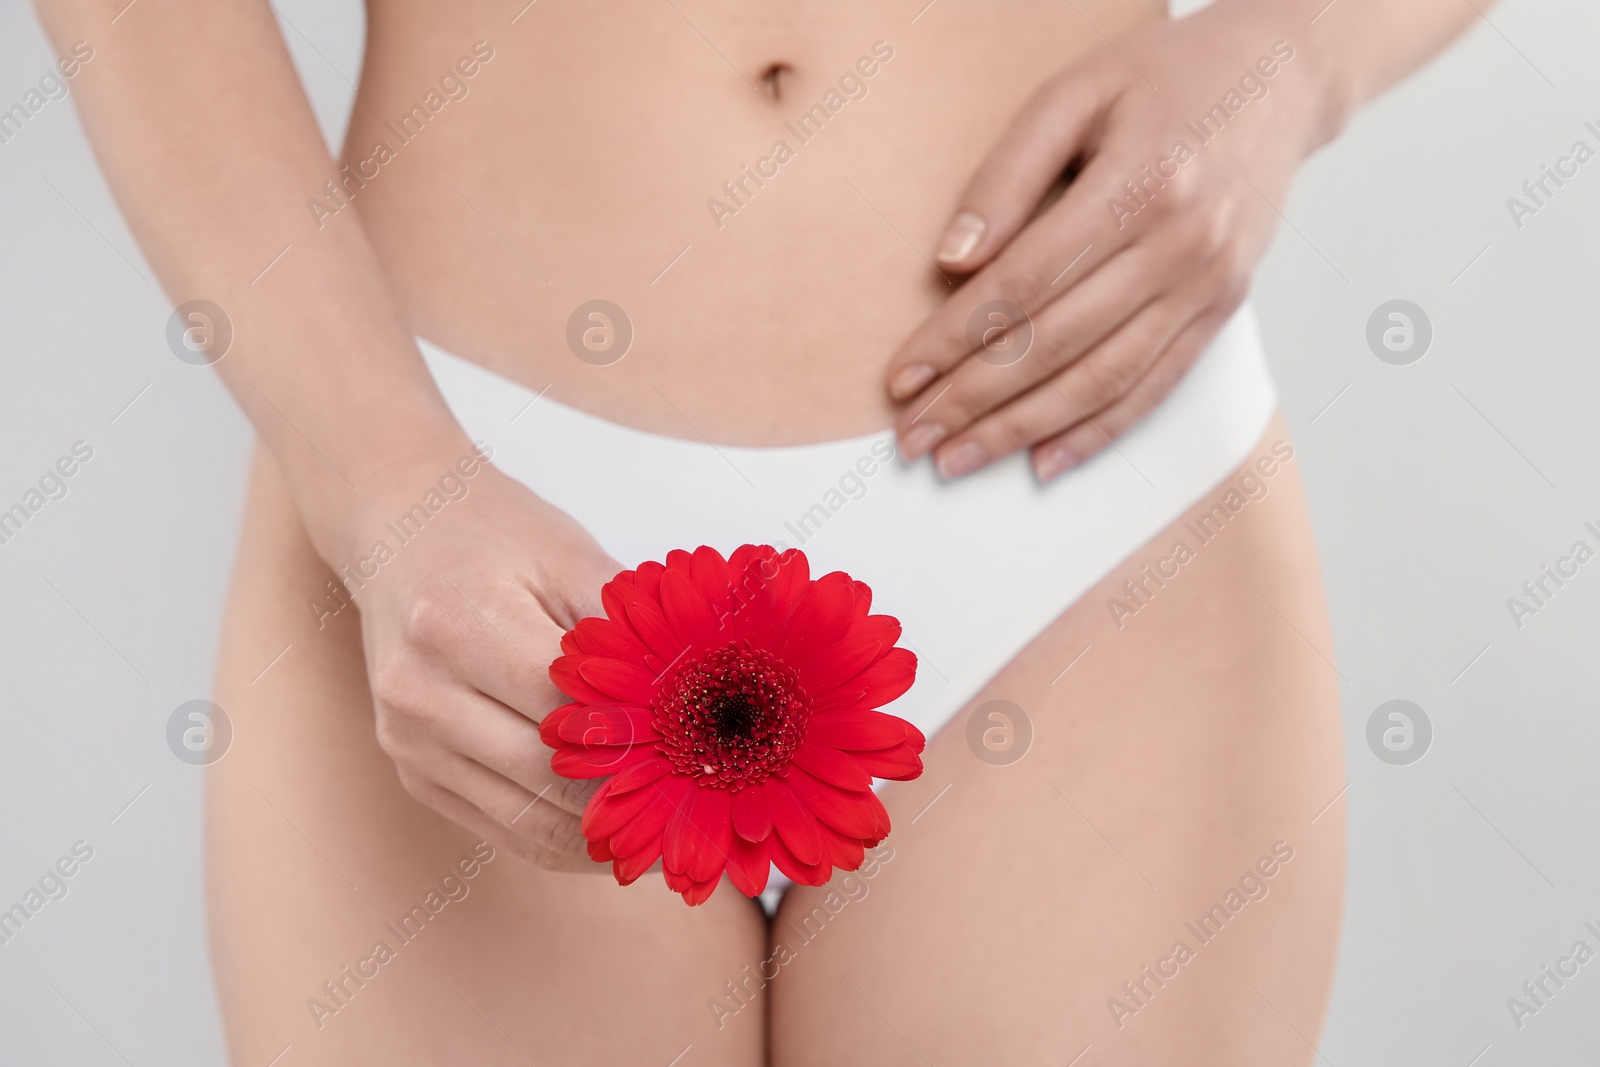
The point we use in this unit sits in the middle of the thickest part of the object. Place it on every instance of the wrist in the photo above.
(1322, 81)
(392, 500)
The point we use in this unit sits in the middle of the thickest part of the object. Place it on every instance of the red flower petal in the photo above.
(693, 892)
(644, 616)
(821, 619)
(885, 627)
(607, 812)
(862, 645)
(652, 819)
(615, 602)
(852, 813)
(741, 559)
(774, 702)
(564, 673)
(713, 823)
(847, 697)
(749, 866)
(888, 678)
(710, 573)
(628, 868)
(796, 825)
(608, 724)
(832, 766)
(550, 725)
(651, 625)
(844, 853)
(752, 607)
(686, 610)
(797, 872)
(864, 595)
(695, 842)
(638, 775)
(752, 818)
(882, 814)
(602, 637)
(648, 579)
(621, 680)
(899, 764)
(793, 573)
(783, 579)
(571, 762)
(856, 730)
(701, 893)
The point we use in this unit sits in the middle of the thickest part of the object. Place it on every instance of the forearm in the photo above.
(210, 147)
(1356, 48)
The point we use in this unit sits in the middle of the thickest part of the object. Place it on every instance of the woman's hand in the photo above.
(459, 629)
(1121, 282)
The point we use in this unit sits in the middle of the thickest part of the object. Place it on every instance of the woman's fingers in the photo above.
(1029, 353)
(497, 638)
(1087, 386)
(539, 825)
(424, 718)
(1178, 259)
(1093, 432)
(1050, 131)
(459, 639)
(548, 838)
(487, 732)
(1056, 251)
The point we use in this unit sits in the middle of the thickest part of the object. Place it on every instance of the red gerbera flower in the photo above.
(733, 703)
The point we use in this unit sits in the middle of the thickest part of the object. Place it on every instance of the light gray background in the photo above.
(1436, 490)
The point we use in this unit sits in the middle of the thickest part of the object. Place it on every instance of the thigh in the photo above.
(356, 926)
(1111, 889)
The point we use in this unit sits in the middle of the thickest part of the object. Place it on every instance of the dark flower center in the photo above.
(732, 716)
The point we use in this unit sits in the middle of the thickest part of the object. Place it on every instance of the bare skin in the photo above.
(786, 353)
(569, 967)
(1165, 762)
(383, 748)
(1193, 738)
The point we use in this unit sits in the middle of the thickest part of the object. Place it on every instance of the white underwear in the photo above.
(974, 569)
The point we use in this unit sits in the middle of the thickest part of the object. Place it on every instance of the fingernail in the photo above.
(916, 444)
(961, 237)
(908, 380)
(962, 459)
(1050, 464)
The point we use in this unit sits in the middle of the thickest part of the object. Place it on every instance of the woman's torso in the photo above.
(580, 158)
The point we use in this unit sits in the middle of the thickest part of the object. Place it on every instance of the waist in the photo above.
(759, 196)
(973, 568)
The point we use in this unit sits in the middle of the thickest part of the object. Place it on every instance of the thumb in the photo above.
(1053, 130)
